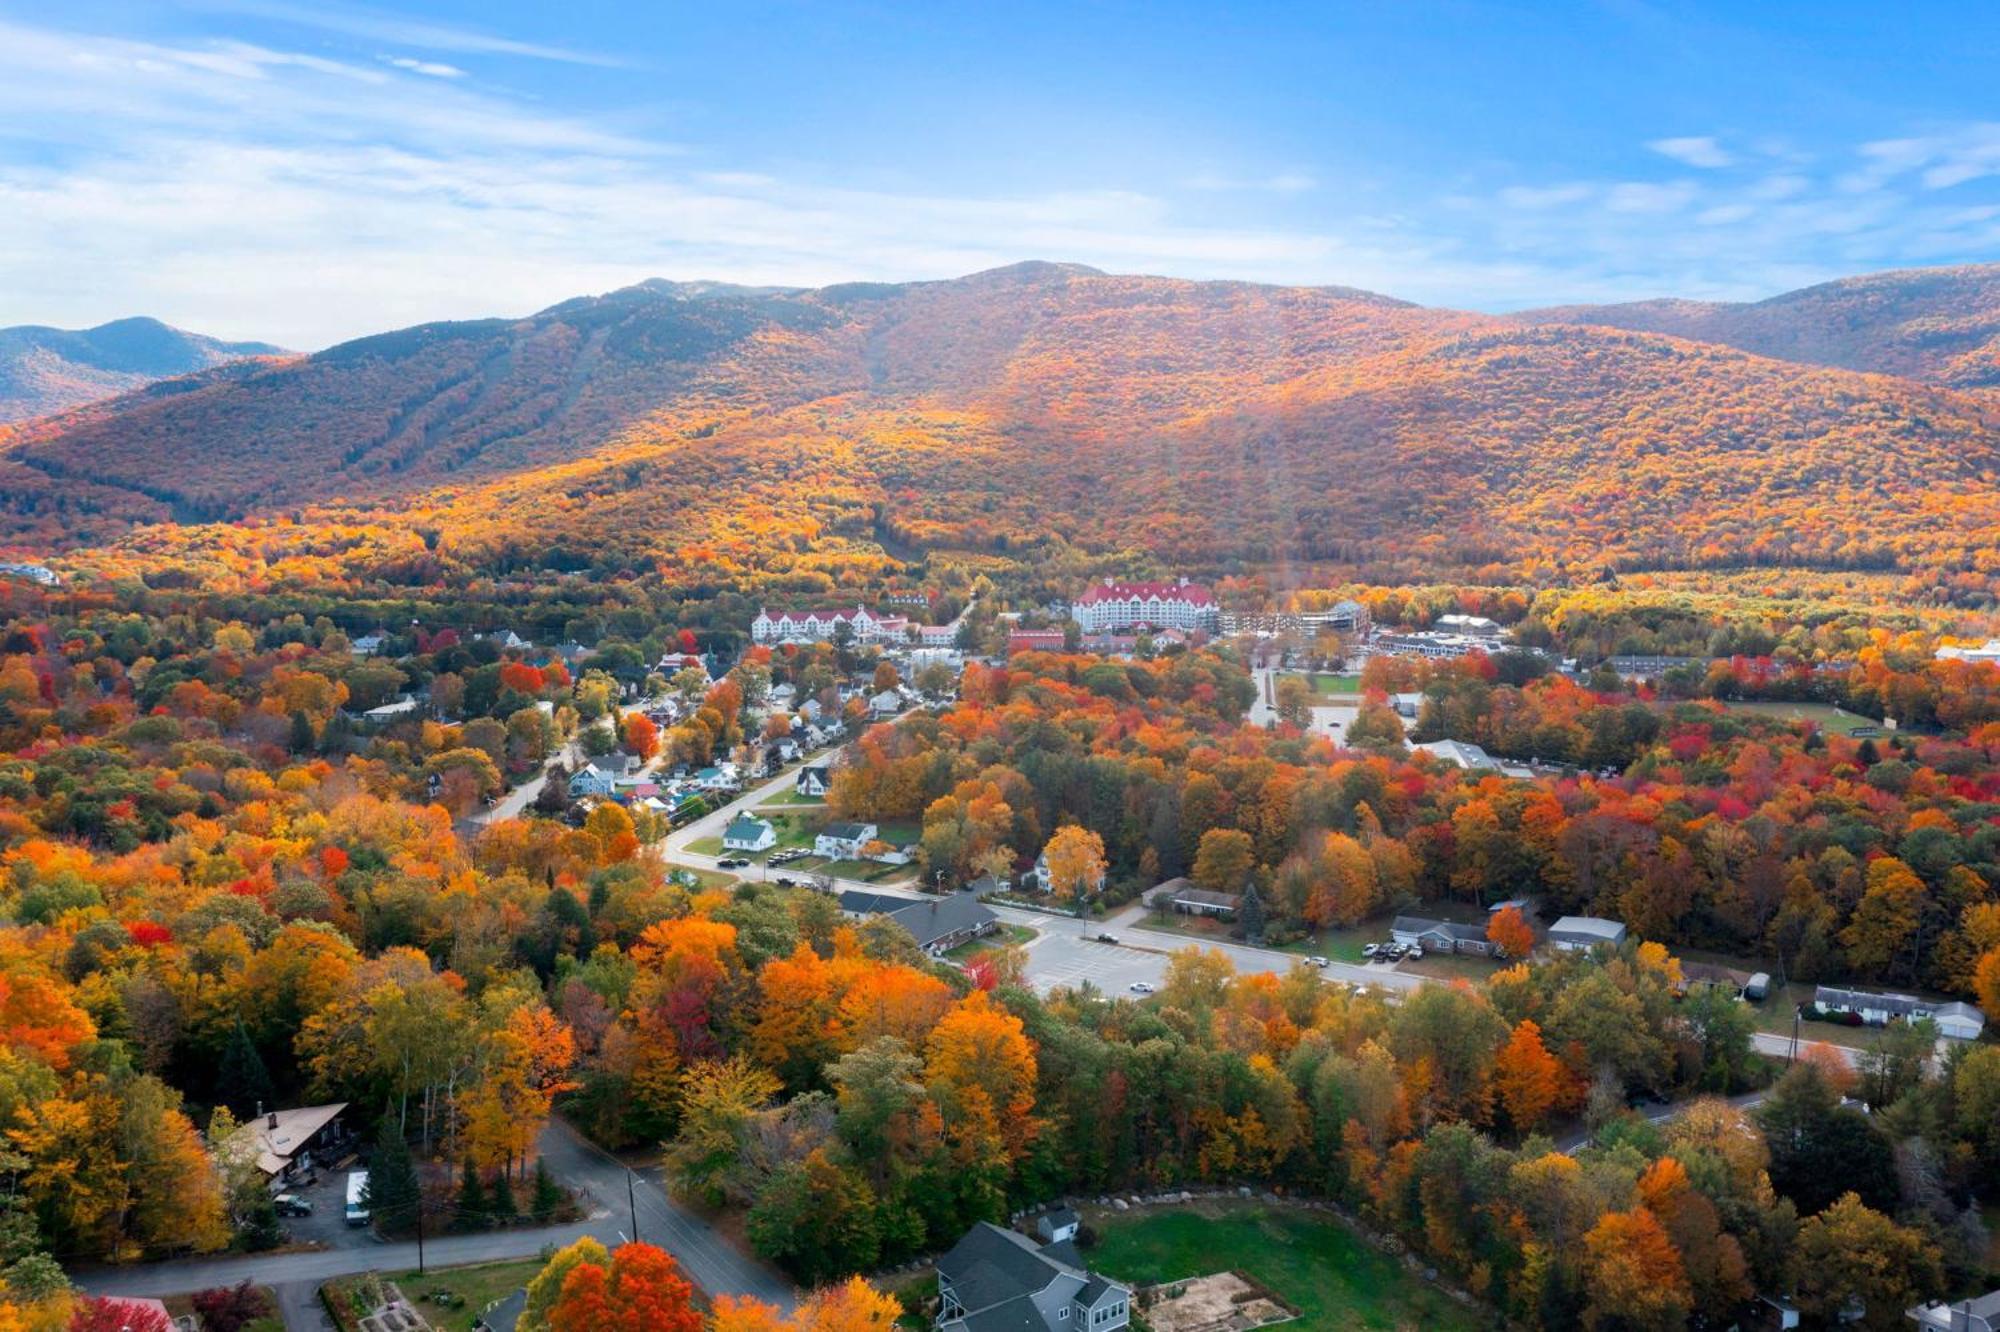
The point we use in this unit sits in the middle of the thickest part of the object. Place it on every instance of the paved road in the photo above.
(510, 805)
(709, 1260)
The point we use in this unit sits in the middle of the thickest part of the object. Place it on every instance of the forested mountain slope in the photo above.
(1207, 421)
(46, 370)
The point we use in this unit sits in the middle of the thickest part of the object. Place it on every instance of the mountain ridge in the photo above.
(44, 370)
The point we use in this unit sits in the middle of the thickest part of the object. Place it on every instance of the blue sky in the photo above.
(304, 171)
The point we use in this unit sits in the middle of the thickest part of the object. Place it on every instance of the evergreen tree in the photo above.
(548, 1195)
(260, 1228)
(472, 1211)
(393, 1192)
(1252, 913)
(302, 733)
(242, 1082)
(500, 1203)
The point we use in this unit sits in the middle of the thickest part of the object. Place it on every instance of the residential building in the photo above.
(1751, 985)
(1469, 626)
(814, 780)
(746, 833)
(939, 924)
(1577, 934)
(996, 1280)
(1181, 895)
(34, 573)
(289, 1145)
(1113, 605)
(367, 645)
(1979, 1314)
(1433, 646)
(1037, 878)
(843, 841)
(1652, 668)
(885, 704)
(1035, 640)
(1959, 1021)
(1459, 754)
(891, 848)
(389, 713)
(1441, 936)
(820, 626)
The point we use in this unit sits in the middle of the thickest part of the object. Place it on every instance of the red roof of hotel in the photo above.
(1192, 593)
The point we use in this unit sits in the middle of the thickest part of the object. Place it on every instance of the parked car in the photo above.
(1318, 961)
(1107, 938)
(786, 881)
(1141, 987)
(734, 862)
(291, 1204)
(1369, 950)
(1416, 951)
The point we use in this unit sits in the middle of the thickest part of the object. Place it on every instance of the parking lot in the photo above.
(1067, 959)
(327, 1226)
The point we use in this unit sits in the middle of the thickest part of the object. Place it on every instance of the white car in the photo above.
(1415, 952)
(1318, 961)
(1141, 987)
(1369, 950)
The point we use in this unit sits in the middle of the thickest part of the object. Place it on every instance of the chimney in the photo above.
(271, 1120)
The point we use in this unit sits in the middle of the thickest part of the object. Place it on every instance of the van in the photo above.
(357, 1194)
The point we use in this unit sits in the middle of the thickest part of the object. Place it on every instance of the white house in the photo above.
(996, 1280)
(843, 841)
(1959, 1021)
(1038, 877)
(367, 645)
(745, 833)
(813, 780)
(886, 704)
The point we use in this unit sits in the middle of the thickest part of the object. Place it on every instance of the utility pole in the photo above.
(420, 1234)
(632, 1202)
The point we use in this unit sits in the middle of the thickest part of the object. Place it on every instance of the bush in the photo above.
(230, 1308)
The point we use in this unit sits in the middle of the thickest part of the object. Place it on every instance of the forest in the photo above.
(221, 889)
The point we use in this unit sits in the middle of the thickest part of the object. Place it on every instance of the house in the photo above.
(1182, 896)
(1980, 1314)
(1058, 1224)
(289, 1145)
(1707, 976)
(938, 924)
(1987, 651)
(811, 710)
(885, 704)
(986, 885)
(894, 848)
(721, 778)
(814, 780)
(843, 841)
(593, 780)
(389, 713)
(1577, 934)
(1959, 1021)
(1407, 705)
(1113, 605)
(996, 1280)
(367, 645)
(1441, 936)
(745, 833)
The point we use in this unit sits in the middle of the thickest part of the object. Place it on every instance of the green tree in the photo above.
(393, 1192)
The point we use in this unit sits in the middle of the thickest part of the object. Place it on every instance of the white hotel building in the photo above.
(1109, 606)
(818, 626)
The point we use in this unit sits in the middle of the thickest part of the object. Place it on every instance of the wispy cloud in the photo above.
(435, 69)
(1700, 151)
(378, 26)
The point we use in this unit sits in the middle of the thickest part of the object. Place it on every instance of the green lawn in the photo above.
(794, 798)
(479, 1287)
(1008, 934)
(1336, 684)
(1828, 717)
(1312, 1260)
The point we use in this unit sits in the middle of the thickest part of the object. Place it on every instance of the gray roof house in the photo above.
(1960, 1021)
(1980, 1314)
(1440, 936)
(1576, 934)
(938, 923)
(995, 1280)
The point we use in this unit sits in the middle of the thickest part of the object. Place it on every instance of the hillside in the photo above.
(700, 426)
(45, 370)
(1939, 325)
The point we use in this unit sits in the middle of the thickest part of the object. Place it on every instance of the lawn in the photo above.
(793, 798)
(1315, 1262)
(795, 832)
(478, 1286)
(1009, 934)
(1828, 717)
(1336, 684)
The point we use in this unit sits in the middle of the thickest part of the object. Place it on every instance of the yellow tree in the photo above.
(1636, 1278)
(980, 1068)
(1076, 862)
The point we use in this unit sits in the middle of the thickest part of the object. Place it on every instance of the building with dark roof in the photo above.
(1960, 1021)
(1181, 895)
(995, 1280)
(1441, 936)
(1980, 1314)
(938, 923)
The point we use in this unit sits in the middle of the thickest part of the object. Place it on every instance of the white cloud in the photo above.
(435, 69)
(1551, 196)
(1695, 151)
(1646, 197)
(375, 25)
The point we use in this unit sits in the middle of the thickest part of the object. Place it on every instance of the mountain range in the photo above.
(48, 370)
(1852, 425)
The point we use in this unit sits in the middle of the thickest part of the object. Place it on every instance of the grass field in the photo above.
(1828, 717)
(478, 1286)
(1316, 1263)
(791, 798)
(1336, 684)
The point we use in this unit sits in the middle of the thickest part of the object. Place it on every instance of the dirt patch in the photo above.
(1224, 1302)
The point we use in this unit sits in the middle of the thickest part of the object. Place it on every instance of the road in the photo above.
(709, 1260)
(515, 801)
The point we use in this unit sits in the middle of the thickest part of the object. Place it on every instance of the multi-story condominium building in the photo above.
(1179, 605)
(819, 626)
